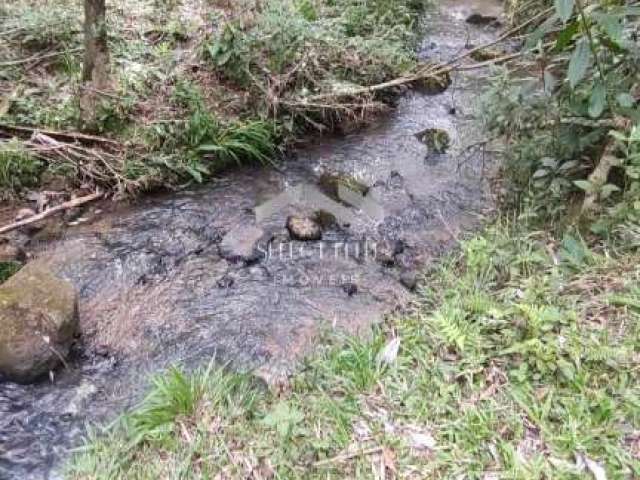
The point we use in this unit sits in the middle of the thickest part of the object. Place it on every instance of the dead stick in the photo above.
(348, 456)
(37, 58)
(54, 134)
(76, 202)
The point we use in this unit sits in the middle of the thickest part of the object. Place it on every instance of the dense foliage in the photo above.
(569, 113)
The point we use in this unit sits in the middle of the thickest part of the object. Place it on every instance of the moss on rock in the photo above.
(38, 319)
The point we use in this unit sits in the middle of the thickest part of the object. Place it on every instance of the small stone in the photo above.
(434, 85)
(240, 244)
(226, 281)
(409, 280)
(436, 140)
(385, 256)
(452, 110)
(350, 288)
(325, 219)
(303, 228)
(480, 19)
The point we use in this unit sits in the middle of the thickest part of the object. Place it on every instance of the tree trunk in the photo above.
(95, 74)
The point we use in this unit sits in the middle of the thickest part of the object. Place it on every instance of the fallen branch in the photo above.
(37, 58)
(80, 137)
(348, 456)
(76, 202)
(434, 71)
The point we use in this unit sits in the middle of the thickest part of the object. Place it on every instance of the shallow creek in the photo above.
(211, 273)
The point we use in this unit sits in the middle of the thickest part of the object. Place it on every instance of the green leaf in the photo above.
(539, 33)
(611, 25)
(564, 9)
(579, 63)
(625, 100)
(550, 82)
(597, 101)
(195, 174)
(566, 35)
(608, 189)
(283, 418)
(584, 185)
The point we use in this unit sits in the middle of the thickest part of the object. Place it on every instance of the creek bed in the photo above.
(211, 273)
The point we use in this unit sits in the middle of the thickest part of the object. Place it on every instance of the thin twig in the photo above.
(81, 137)
(76, 202)
(348, 456)
(38, 58)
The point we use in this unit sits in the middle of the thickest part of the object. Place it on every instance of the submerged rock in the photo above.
(436, 140)
(240, 244)
(38, 320)
(409, 279)
(435, 84)
(330, 184)
(303, 228)
(480, 19)
(350, 288)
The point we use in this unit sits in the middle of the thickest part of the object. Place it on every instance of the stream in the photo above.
(211, 273)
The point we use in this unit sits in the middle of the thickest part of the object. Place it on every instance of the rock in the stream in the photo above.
(435, 84)
(38, 320)
(350, 288)
(239, 244)
(480, 19)
(303, 228)
(436, 139)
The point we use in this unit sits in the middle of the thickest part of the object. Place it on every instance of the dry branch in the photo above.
(37, 58)
(348, 456)
(76, 202)
(25, 132)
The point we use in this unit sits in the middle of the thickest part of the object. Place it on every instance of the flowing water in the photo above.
(211, 273)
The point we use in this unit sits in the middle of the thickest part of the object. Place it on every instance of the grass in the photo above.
(18, 168)
(519, 362)
(8, 269)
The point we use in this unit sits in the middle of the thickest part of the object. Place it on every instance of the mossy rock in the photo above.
(325, 219)
(38, 320)
(436, 140)
(487, 54)
(436, 84)
(330, 184)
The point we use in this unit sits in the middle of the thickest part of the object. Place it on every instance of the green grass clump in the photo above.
(18, 167)
(8, 269)
(520, 358)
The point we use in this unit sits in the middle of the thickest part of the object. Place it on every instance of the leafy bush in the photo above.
(562, 125)
(292, 49)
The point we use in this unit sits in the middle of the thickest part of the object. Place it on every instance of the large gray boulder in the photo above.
(38, 320)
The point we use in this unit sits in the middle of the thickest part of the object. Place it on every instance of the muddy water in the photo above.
(211, 273)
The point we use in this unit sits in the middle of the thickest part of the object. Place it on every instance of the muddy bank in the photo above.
(213, 272)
